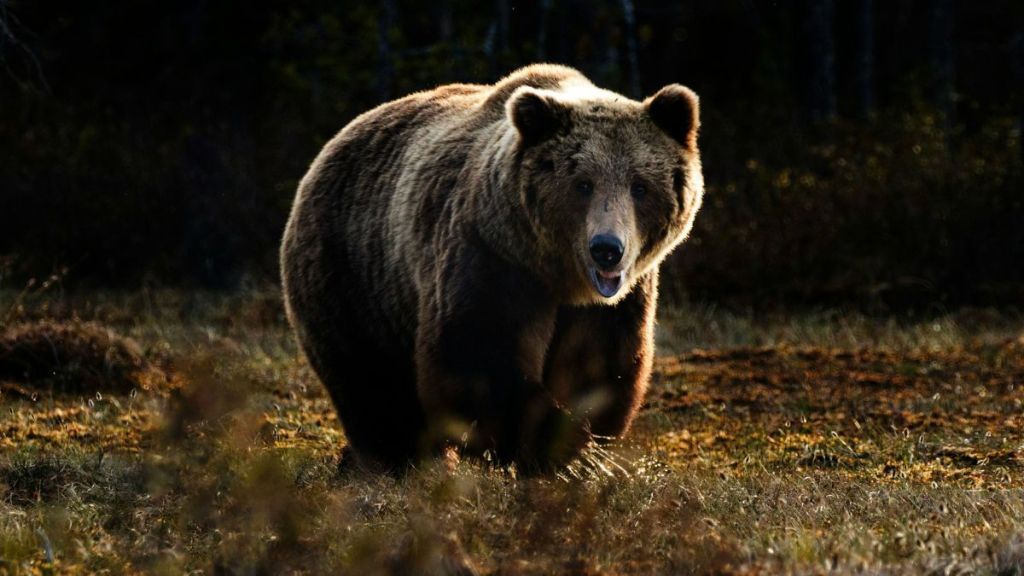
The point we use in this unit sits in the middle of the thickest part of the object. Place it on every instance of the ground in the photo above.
(810, 442)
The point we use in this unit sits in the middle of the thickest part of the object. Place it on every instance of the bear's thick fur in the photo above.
(478, 265)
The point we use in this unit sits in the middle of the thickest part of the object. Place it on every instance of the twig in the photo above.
(47, 546)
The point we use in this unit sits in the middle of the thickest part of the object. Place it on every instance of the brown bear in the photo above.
(478, 265)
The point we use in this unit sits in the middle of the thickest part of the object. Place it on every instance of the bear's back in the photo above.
(541, 76)
(461, 107)
(381, 185)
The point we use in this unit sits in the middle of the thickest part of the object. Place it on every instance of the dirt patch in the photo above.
(71, 357)
(920, 390)
(949, 415)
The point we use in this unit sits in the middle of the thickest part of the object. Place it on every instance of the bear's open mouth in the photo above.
(606, 283)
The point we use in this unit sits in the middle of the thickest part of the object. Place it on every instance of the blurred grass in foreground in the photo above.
(805, 442)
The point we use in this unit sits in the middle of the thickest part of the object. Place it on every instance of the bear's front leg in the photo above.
(600, 358)
(483, 330)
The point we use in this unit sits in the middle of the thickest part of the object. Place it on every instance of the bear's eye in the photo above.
(638, 189)
(585, 187)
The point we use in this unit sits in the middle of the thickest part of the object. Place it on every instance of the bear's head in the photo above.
(609, 185)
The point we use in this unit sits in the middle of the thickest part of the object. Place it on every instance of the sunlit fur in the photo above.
(435, 263)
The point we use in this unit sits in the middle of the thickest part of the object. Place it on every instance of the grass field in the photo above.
(819, 442)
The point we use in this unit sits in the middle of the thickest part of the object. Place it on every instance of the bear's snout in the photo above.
(606, 250)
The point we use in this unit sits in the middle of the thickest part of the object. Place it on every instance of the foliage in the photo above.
(162, 143)
(887, 217)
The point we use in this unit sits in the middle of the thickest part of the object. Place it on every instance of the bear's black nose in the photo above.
(606, 250)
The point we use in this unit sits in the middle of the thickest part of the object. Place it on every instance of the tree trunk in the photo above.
(1017, 47)
(819, 57)
(629, 15)
(864, 59)
(445, 21)
(446, 36)
(542, 30)
(564, 28)
(940, 59)
(386, 66)
(504, 17)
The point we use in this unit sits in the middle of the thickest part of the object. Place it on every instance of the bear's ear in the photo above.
(676, 110)
(535, 115)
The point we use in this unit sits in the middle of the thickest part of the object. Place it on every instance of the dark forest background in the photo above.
(856, 151)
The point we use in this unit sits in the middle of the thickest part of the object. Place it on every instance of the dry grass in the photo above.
(773, 447)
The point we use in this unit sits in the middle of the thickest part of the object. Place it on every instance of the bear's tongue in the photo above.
(607, 284)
